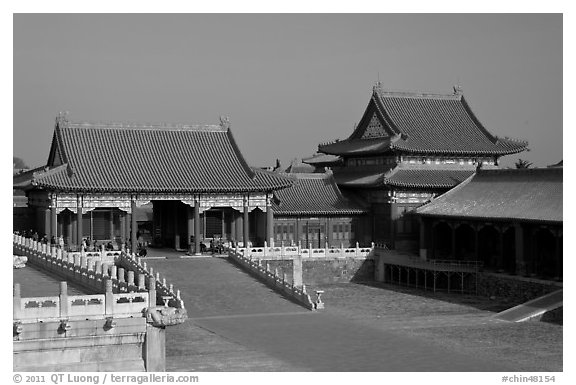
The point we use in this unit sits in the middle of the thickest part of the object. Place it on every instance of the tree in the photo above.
(18, 163)
(522, 163)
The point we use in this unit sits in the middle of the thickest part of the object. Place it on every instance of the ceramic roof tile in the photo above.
(152, 158)
(525, 194)
(426, 123)
(314, 194)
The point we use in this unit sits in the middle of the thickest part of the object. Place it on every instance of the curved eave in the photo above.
(144, 191)
(423, 185)
(359, 147)
(494, 219)
(499, 152)
(321, 212)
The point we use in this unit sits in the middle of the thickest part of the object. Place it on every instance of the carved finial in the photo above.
(62, 117)
(458, 89)
(225, 122)
(377, 85)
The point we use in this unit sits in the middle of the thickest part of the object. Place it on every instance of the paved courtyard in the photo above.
(238, 324)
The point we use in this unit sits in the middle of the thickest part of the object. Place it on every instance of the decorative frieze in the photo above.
(123, 201)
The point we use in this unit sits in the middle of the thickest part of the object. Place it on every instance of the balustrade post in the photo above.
(121, 278)
(113, 272)
(109, 297)
(17, 302)
(98, 269)
(64, 304)
(142, 281)
(104, 270)
(152, 292)
(130, 279)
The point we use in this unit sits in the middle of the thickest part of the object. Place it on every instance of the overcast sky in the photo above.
(287, 82)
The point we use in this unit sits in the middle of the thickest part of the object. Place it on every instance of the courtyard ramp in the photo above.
(532, 309)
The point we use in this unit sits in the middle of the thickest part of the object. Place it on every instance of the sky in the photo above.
(287, 82)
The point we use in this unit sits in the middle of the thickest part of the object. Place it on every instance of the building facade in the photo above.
(407, 149)
(510, 220)
(314, 213)
(98, 175)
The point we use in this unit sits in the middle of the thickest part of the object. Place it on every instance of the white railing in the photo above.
(288, 252)
(126, 272)
(276, 281)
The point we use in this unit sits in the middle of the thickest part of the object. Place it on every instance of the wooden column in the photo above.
(476, 245)
(223, 232)
(60, 224)
(393, 216)
(246, 227)
(269, 222)
(54, 223)
(127, 223)
(197, 227)
(69, 228)
(519, 240)
(233, 225)
(423, 243)
(500, 262)
(47, 222)
(111, 220)
(329, 231)
(297, 231)
(432, 237)
(176, 232)
(133, 227)
(79, 222)
(190, 227)
(122, 226)
(453, 228)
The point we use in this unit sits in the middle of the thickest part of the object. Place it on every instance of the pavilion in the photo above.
(408, 148)
(99, 174)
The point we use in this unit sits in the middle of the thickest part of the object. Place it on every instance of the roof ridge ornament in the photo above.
(62, 117)
(458, 89)
(224, 122)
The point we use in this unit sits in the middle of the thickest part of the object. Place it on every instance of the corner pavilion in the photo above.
(99, 174)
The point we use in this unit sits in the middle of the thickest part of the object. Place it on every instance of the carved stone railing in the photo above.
(275, 281)
(70, 307)
(126, 272)
(288, 252)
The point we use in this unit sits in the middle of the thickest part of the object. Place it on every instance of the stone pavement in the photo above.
(36, 283)
(238, 324)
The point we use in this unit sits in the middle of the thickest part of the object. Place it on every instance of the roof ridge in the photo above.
(450, 192)
(416, 94)
(165, 126)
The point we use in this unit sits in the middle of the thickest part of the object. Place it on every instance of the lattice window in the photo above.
(374, 129)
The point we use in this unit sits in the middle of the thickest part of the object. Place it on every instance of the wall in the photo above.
(86, 347)
(323, 271)
(515, 288)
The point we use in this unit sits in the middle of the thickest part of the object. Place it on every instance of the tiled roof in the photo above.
(431, 178)
(356, 146)
(320, 159)
(426, 124)
(511, 194)
(150, 158)
(314, 194)
(404, 176)
(297, 166)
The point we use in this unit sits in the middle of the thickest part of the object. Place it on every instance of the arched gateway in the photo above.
(99, 175)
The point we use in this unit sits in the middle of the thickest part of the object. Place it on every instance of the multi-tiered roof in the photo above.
(416, 124)
(153, 158)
